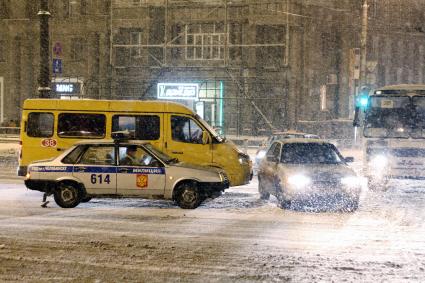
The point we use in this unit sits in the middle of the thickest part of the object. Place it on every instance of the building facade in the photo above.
(252, 65)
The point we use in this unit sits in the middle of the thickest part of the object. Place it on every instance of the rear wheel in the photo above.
(188, 195)
(67, 195)
(86, 199)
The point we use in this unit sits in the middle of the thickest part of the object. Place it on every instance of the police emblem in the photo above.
(142, 181)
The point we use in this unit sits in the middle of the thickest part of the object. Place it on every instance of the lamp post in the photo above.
(363, 44)
(44, 72)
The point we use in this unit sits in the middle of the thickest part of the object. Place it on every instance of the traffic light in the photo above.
(362, 103)
(362, 99)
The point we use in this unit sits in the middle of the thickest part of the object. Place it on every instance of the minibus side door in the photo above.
(184, 140)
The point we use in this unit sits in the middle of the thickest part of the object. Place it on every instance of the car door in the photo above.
(184, 140)
(139, 173)
(269, 167)
(96, 169)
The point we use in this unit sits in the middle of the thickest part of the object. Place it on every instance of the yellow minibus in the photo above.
(49, 126)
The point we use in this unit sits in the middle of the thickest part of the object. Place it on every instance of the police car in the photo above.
(123, 169)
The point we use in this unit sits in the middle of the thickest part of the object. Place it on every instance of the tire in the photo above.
(353, 205)
(263, 195)
(67, 195)
(188, 196)
(215, 195)
(284, 203)
(86, 199)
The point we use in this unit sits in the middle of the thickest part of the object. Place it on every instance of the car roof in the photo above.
(290, 132)
(302, 140)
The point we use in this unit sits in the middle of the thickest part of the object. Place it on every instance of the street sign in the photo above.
(57, 49)
(57, 66)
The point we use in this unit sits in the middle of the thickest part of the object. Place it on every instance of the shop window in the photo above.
(205, 41)
(184, 129)
(143, 127)
(40, 125)
(81, 125)
(77, 49)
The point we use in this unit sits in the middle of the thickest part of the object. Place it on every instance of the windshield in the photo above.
(309, 153)
(418, 130)
(210, 129)
(161, 155)
(388, 117)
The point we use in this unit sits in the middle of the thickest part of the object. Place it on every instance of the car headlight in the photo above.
(378, 162)
(299, 180)
(243, 159)
(351, 181)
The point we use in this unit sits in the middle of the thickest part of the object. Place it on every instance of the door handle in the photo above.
(177, 152)
(123, 170)
(60, 149)
(80, 169)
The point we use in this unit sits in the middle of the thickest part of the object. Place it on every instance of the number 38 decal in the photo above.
(100, 179)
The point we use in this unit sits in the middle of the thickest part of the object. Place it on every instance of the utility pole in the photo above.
(363, 45)
(44, 73)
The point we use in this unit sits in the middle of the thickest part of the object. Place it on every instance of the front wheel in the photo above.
(353, 205)
(67, 195)
(188, 196)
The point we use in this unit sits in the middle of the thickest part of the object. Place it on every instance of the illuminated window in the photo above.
(205, 41)
(323, 102)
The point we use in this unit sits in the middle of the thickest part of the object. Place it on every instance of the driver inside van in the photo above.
(177, 132)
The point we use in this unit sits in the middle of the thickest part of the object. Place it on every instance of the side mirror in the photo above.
(205, 137)
(349, 159)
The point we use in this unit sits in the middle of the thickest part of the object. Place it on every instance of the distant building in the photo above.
(288, 63)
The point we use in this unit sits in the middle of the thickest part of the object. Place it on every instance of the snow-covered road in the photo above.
(235, 237)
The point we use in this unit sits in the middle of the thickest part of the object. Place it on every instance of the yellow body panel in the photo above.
(222, 155)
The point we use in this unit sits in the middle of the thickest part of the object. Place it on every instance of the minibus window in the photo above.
(185, 129)
(40, 125)
(140, 127)
(81, 125)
